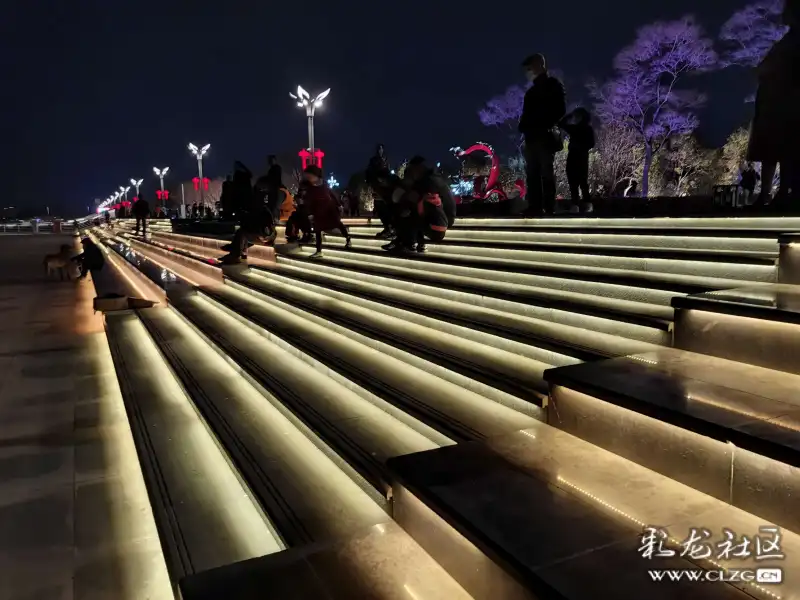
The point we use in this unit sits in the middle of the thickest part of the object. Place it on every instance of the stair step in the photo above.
(727, 429)
(205, 513)
(540, 513)
(759, 325)
(308, 497)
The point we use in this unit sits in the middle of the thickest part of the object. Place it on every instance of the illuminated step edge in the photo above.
(789, 261)
(111, 491)
(215, 244)
(573, 334)
(722, 438)
(521, 259)
(308, 497)
(776, 223)
(633, 304)
(375, 314)
(497, 374)
(205, 513)
(454, 410)
(758, 326)
(361, 427)
(498, 515)
(646, 286)
(633, 319)
(744, 250)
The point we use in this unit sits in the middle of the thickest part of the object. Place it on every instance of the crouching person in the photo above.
(426, 211)
(256, 228)
(91, 259)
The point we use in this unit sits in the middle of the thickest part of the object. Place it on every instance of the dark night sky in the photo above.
(97, 92)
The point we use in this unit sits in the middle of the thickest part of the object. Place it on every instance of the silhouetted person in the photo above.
(323, 206)
(632, 191)
(255, 221)
(384, 186)
(274, 185)
(225, 198)
(425, 210)
(775, 133)
(193, 213)
(141, 212)
(748, 183)
(378, 163)
(543, 108)
(91, 259)
(578, 126)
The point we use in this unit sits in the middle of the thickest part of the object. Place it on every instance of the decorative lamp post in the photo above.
(137, 183)
(304, 100)
(199, 154)
(161, 173)
(332, 183)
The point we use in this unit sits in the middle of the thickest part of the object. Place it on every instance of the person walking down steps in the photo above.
(323, 207)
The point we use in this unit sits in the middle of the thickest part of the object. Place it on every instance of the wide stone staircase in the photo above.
(508, 415)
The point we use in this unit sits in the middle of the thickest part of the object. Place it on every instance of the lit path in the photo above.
(75, 520)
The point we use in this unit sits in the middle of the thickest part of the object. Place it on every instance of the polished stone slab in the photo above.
(381, 563)
(710, 396)
(560, 515)
(774, 302)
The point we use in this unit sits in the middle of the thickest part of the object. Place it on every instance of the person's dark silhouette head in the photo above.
(272, 160)
(415, 168)
(582, 116)
(534, 66)
(791, 13)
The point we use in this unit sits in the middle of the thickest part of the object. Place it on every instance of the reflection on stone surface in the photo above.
(694, 460)
(530, 499)
(775, 296)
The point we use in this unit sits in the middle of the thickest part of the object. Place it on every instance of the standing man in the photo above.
(141, 210)
(544, 107)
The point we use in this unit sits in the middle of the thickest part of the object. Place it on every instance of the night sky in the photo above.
(96, 92)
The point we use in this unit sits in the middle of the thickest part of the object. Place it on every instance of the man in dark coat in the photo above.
(775, 133)
(141, 211)
(543, 108)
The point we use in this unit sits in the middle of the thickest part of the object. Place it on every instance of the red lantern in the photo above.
(305, 157)
(166, 194)
(158, 194)
(206, 181)
(196, 182)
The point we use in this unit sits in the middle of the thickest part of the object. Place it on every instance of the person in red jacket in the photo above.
(323, 206)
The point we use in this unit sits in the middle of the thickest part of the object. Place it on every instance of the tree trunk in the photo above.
(648, 162)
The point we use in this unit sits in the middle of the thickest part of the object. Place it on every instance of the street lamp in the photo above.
(199, 154)
(332, 183)
(304, 100)
(124, 192)
(137, 183)
(160, 173)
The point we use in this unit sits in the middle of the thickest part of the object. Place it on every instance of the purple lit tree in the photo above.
(504, 110)
(750, 32)
(643, 96)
